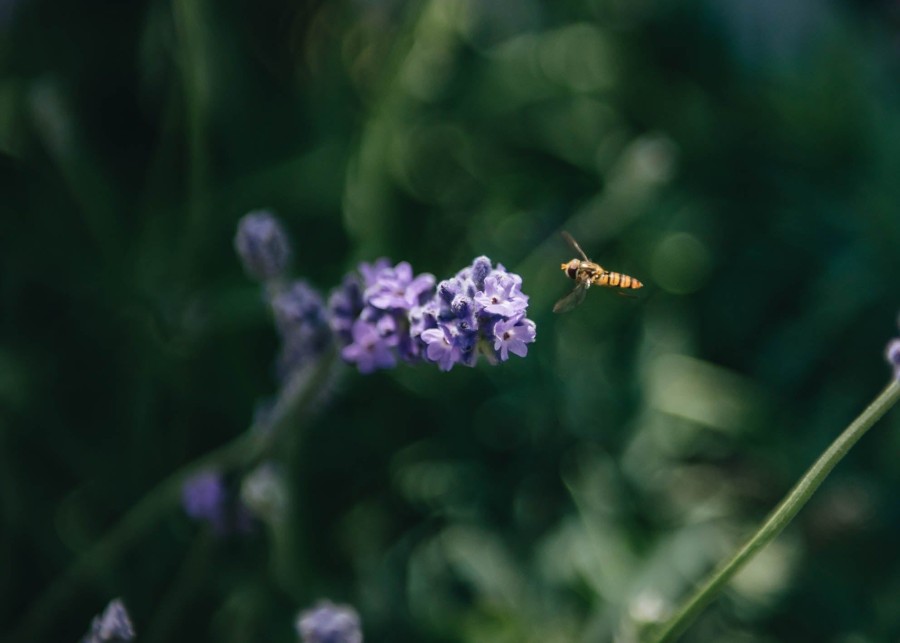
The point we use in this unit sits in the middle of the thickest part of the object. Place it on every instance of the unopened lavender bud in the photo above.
(447, 290)
(262, 245)
(461, 306)
(480, 269)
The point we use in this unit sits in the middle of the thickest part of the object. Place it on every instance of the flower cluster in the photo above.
(892, 353)
(206, 497)
(384, 313)
(388, 314)
(111, 626)
(370, 314)
(329, 623)
(480, 311)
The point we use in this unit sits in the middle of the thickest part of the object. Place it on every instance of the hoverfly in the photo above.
(586, 273)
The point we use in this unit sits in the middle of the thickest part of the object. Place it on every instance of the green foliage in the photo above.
(739, 161)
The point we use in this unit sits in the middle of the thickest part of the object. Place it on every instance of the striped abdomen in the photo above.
(617, 280)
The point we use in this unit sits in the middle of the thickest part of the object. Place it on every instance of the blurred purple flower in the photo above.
(297, 305)
(329, 623)
(371, 319)
(112, 625)
(206, 497)
(371, 271)
(344, 306)
(203, 496)
(892, 353)
(262, 245)
(396, 288)
(369, 350)
(301, 319)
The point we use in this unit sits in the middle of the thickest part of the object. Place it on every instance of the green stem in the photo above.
(243, 451)
(184, 588)
(781, 516)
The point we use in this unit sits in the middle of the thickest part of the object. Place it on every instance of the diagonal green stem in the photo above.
(246, 449)
(780, 516)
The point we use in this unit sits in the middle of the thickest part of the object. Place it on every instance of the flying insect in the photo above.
(585, 273)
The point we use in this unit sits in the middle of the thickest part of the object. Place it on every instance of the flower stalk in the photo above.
(780, 516)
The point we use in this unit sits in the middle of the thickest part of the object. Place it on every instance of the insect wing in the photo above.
(571, 241)
(574, 298)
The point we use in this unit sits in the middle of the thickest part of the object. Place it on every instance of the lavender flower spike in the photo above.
(262, 245)
(111, 626)
(329, 623)
(387, 314)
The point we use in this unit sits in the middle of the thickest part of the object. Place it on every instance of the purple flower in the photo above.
(113, 624)
(368, 350)
(344, 306)
(421, 318)
(262, 245)
(203, 496)
(501, 294)
(511, 336)
(297, 305)
(372, 315)
(206, 497)
(371, 271)
(329, 623)
(396, 288)
(301, 320)
(440, 347)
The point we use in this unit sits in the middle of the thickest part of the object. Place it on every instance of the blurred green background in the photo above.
(740, 157)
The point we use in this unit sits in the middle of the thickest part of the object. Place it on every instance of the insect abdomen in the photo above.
(618, 280)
